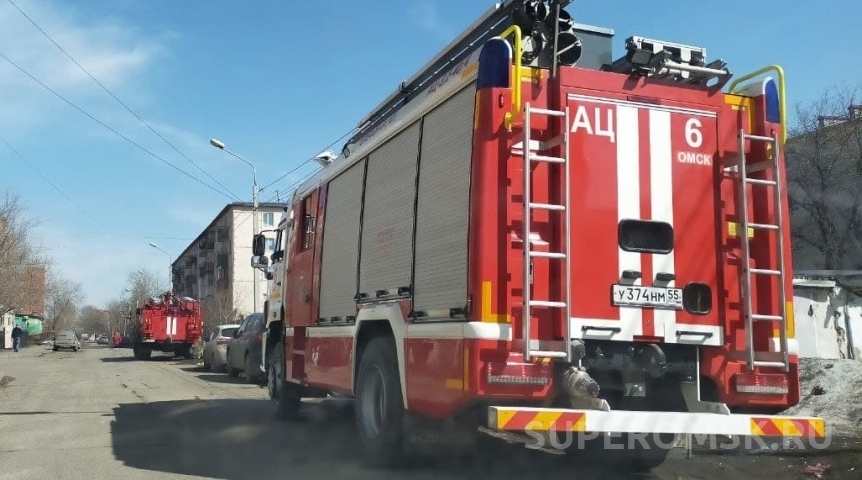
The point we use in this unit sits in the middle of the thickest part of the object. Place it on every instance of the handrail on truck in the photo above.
(782, 99)
(516, 76)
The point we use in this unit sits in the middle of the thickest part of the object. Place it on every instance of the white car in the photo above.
(215, 350)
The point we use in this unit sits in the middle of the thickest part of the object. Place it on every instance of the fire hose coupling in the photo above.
(582, 390)
(578, 383)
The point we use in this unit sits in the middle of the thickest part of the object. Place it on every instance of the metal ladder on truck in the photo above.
(775, 184)
(532, 155)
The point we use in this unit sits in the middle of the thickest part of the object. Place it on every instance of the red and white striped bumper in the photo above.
(523, 419)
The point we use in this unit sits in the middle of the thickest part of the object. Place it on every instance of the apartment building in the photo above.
(216, 267)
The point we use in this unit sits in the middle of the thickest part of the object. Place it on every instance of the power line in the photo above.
(118, 100)
(308, 161)
(115, 132)
(68, 198)
(59, 190)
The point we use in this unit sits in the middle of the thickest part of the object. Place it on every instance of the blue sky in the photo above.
(278, 82)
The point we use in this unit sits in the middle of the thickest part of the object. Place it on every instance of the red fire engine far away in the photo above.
(531, 235)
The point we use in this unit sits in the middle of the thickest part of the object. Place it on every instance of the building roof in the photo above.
(267, 206)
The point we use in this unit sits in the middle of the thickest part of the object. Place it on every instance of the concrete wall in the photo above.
(823, 315)
(242, 274)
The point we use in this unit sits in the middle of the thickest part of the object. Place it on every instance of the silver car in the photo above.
(215, 350)
(66, 339)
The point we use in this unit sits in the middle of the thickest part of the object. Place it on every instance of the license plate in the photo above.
(642, 296)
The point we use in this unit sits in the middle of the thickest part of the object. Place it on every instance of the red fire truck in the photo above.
(532, 236)
(167, 324)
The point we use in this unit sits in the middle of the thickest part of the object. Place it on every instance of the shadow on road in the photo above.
(239, 439)
(119, 359)
(220, 378)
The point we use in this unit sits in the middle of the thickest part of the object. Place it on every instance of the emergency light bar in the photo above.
(670, 61)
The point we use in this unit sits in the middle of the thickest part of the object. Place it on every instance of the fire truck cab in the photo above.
(532, 236)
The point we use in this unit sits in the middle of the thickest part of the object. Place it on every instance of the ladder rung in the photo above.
(758, 181)
(547, 354)
(550, 113)
(769, 364)
(773, 318)
(545, 158)
(763, 226)
(761, 271)
(547, 206)
(759, 138)
(544, 303)
(547, 255)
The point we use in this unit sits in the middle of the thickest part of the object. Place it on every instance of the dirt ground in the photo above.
(100, 413)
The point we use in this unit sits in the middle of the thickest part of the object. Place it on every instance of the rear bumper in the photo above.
(522, 419)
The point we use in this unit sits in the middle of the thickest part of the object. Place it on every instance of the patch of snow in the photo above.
(839, 403)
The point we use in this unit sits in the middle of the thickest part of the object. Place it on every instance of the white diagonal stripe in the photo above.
(661, 200)
(628, 197)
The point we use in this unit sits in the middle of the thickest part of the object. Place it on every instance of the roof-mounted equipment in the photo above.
(671, 62)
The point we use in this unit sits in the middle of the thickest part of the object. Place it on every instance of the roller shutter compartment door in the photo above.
(339, 261)
(387, 222)
(443, 206)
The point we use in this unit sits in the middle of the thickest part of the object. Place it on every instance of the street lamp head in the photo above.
(217, 143)
(153, 245)
(325, 158)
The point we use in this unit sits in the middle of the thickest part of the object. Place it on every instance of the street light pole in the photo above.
(255, 193)
(170, 266)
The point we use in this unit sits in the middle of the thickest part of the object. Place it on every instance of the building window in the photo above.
(270, 244)
(268, 219)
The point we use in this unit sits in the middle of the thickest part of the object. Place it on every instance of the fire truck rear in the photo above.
(167, 324)
(533, 237)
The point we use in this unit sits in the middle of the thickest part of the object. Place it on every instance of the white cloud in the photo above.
(114, 53)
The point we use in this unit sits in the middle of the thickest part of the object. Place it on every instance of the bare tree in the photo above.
(142, 285)
(824, 159)
(63, 297)
(93, 320)
(18, 253)
(218, 310)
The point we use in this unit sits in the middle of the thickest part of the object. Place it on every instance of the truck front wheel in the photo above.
(287, 395)
(379, 406)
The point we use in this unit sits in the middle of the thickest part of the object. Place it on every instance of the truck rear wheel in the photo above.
(287, 395)
(379, 406)
(141, 352)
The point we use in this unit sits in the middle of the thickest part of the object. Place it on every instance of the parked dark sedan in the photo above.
(244, 349)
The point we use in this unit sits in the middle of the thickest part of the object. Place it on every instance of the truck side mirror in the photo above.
(259, 262)
(258, 245)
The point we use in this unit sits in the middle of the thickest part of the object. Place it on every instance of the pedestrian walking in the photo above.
(17, 332)
(117, 340)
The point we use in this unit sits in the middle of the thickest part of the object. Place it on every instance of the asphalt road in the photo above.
(99, 413)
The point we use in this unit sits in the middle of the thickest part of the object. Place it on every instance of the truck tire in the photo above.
(141, 352)
(286, 395)
(379, 405)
